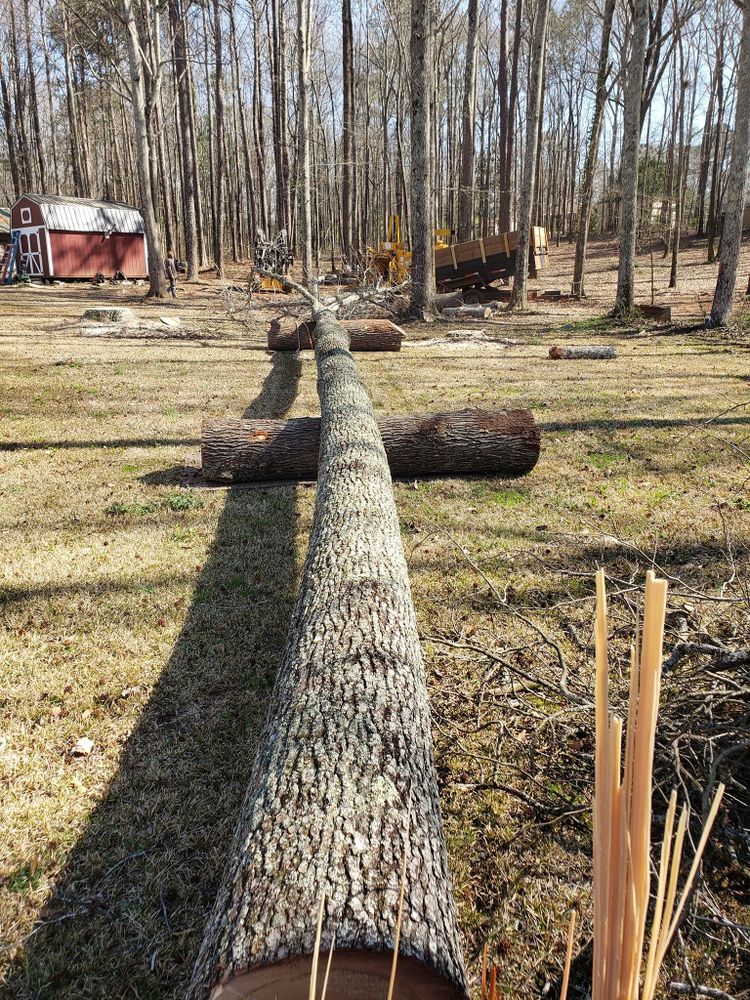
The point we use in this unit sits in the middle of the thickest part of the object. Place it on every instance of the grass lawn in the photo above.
(149, 618)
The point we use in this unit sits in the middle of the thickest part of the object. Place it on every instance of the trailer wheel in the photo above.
(473, 297)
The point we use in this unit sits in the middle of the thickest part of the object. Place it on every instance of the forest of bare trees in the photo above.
(204, 115)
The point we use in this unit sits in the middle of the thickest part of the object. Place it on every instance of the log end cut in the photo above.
(363, 975)
(575, 352)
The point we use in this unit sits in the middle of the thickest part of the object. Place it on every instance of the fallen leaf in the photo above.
(83, 747)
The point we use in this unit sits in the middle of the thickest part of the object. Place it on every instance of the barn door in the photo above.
(31, 251)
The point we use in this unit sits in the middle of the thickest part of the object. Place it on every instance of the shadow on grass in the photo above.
(127, 914)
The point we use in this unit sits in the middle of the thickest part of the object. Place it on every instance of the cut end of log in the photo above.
(354, 975)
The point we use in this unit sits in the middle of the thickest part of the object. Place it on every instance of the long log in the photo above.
(448, 300)
(501, 443)
(343, 790)
(468, 312)
(581, 352)
(364, 335)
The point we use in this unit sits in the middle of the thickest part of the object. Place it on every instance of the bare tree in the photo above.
(422, 202)
(735, 196)
(303, 142)
(533, 114)
(144, 154)
(468, 115)
(630, 151)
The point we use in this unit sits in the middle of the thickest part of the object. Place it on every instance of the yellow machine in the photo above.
(391, 262)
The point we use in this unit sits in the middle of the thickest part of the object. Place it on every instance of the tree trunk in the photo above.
(303, 144)
(731, 238)
(189, 220)
(347, 131)
(576, 352)
(468, 115)
(219, 140)
(143, 154)
(592, 150)
(365, 335)
(629, 161)
(534, 100)
(422, 201)
(441, 444)
(346, 759)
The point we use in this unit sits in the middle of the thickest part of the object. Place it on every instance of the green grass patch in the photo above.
(183, 500)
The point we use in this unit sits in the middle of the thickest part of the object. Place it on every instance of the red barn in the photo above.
(63, 237)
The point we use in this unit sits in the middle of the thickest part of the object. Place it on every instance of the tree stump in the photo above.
(503, 443)
(346, 757)
(108, 314)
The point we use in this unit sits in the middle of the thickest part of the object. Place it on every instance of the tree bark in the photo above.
(422, 201)
(189, 220)
(346, 757)
(592, 150)
(219, 140)
(441, 444)
(731, 238)
(468, 115)
(534, 100)
(629, 161)
(365, 335)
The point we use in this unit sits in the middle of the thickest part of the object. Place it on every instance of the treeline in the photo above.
(202, 101)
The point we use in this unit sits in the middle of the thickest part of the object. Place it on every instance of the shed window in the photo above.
(25, 215)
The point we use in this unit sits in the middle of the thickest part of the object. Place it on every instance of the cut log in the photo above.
(500, 443)
(582, 352)
(467, 312)
(661, 313)
(364, 334)
(343, 786)
(448, 300)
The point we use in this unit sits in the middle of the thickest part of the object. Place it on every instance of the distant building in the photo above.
(4, 225)
(63, 237)
(746, 217)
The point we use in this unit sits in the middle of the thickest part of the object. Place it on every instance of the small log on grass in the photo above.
(108, 314)
(468, 312)
(364, 335)
(448, 300)
(582, 352)
(343, 786)
(488, 442)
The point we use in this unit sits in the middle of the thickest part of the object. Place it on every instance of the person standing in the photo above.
(170, 269)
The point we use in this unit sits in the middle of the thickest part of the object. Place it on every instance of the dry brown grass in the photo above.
(151, 618)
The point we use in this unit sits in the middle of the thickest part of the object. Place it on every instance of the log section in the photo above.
(468, 441)
(345, 759)
(581, 352)
(364, 335)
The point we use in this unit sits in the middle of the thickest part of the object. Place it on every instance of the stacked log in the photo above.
(499, 443)
(343, 790)
(364, 335)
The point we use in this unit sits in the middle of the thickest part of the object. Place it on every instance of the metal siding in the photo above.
(82, 255)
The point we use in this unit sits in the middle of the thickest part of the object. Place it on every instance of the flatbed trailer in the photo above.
(472, 267)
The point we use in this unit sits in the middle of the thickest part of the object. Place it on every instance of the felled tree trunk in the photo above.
(469, 441)
(468, 312)
(346, 757)
(364, 334)
(448, 300)
(582, 352)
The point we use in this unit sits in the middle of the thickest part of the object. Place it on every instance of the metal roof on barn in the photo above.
(84, 215)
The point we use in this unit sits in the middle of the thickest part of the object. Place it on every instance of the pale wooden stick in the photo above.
(493, 983)
(397, 939)
(568, 956)
(600, 778)
(316, 951)
(666, 847)
(485, 951)
(328, 967)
